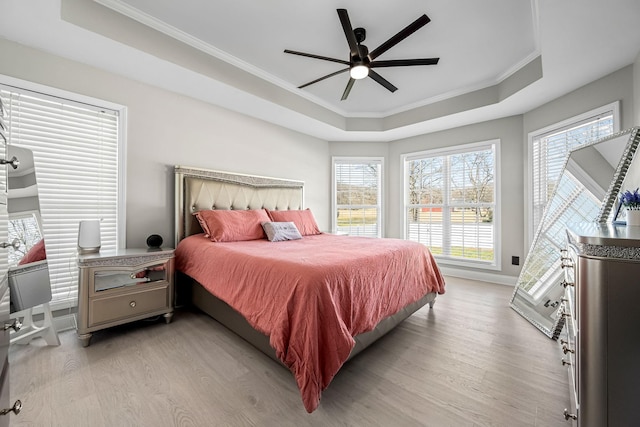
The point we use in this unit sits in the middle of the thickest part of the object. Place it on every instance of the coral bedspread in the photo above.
(311, 296)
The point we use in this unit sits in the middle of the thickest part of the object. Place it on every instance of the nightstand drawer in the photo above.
(113, 308)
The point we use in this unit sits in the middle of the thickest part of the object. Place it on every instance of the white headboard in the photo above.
(199, 189)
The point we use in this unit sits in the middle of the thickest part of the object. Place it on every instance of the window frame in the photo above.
(334, 194)
(493, 144)
(60, 95)
(614, 107)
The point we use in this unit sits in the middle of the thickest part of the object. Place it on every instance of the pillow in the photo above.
(303, 219)
(36, 253)
(279, 231)
(232, 225)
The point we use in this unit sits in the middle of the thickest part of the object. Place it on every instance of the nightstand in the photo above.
(121, 286)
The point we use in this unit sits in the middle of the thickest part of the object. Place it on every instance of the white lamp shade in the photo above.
(89, 236)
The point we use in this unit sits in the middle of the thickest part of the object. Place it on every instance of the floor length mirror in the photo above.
(587, 191)
(28, 268)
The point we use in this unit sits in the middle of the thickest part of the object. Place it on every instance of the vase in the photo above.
(633, 217)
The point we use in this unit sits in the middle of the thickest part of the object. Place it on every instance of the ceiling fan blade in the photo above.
(310, 55)
(384, 82)
(403, 34)
(347, 89)
(323, 77)
(404, 62)
(348, 31)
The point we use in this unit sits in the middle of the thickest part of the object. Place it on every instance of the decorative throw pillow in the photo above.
(280, 231)
(303, 219)
(232, 225)
(36, 253)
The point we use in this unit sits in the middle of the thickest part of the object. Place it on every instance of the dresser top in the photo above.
(606, 240)
(124, 255)
(605, 234)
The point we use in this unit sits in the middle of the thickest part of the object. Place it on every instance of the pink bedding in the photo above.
(311, 296)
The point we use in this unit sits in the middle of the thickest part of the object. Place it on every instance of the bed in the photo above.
(308, 312)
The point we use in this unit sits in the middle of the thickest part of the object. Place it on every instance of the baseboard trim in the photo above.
(500, 279)
(64, 322)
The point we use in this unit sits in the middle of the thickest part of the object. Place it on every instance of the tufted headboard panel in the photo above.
(200, 189)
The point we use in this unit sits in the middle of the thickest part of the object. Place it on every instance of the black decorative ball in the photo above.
(154, 241)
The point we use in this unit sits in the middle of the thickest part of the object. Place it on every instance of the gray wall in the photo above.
(509, 132)
(636, 91)
(513, 133)
(165, 129)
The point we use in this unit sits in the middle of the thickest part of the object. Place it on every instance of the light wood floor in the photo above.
(469, 361)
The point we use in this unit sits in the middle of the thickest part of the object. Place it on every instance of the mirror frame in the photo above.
(610, 200)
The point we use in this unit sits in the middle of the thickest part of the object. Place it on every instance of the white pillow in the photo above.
(279, 231)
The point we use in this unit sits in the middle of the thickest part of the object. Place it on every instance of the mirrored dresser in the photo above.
(600, 307)
(122, 286)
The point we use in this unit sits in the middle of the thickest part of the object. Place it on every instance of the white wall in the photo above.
(165, 129)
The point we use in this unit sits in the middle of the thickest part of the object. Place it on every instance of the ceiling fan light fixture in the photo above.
(359, 71)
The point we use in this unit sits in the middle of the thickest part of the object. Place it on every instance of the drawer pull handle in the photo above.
(566, 349)
(14, 162)
(564, 362)
(567, 264)
(132, 304)
(15, 244)
(16, 325)
(15, 408)
(568, 416)
(564, 283)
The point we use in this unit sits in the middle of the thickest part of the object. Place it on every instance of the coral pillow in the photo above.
(303, 219)
(233, 225)
(36, 253)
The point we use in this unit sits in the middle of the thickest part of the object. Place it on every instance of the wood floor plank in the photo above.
(469, 361)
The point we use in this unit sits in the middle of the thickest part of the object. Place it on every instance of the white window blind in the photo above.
(550, 150)
(75, 148)
(450, 203)
(357, 196)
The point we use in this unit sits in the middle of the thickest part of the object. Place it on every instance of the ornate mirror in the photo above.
(587, 191)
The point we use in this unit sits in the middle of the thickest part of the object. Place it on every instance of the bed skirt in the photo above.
(231, 319)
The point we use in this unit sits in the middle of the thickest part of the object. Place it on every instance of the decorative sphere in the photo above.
(154, 241)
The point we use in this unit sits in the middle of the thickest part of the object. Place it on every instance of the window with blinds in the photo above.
(357, 207)
(450, 202)
(550, 148)
(75, 148)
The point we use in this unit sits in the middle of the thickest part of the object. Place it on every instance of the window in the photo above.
(357, 193)
(450, 203)
(76, 155)
(550, 147)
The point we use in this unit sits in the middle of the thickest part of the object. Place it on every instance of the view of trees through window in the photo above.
(451, 203)
(26, 231)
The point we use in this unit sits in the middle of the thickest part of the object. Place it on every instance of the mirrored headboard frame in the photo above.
(613, 192)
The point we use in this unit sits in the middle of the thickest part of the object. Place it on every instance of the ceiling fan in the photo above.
(361, 61)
